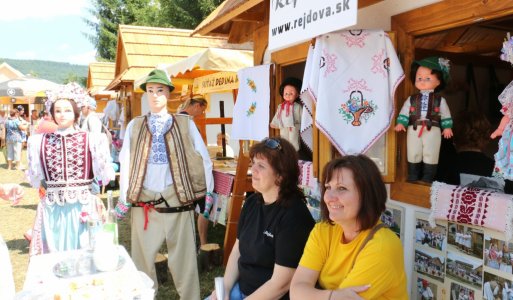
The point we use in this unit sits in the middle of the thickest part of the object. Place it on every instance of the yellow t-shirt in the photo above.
(380, 263)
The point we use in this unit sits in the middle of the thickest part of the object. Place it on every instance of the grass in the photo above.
(14, 221)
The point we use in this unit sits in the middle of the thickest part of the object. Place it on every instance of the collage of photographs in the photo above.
(461, 262)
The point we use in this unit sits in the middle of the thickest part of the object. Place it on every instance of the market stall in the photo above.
(418, 30)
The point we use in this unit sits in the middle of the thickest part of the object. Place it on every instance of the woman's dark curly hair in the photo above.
(284, 162)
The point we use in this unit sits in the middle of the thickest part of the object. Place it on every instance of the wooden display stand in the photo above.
(241, 185)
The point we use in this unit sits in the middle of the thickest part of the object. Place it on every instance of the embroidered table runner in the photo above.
(470, 205)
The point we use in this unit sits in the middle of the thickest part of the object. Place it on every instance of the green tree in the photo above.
(108, 14)
(72, 77)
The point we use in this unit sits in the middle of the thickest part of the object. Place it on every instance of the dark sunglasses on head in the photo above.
(272, 143)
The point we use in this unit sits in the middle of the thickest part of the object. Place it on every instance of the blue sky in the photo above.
(46, 30)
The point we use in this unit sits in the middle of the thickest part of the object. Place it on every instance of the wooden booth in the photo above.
(141, 49)
(468, 32)
(99, 75)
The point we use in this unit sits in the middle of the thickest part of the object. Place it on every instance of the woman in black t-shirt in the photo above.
(273, 227)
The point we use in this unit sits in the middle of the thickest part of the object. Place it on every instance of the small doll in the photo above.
(288, 115)
(503, 166)
(427, 117)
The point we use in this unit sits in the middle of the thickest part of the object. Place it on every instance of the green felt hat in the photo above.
(158, 76)
(436, 63)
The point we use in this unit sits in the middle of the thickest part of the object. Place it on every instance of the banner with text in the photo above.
(295, 21)
(216, 82)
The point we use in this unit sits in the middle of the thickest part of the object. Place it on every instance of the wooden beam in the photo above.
(229, 16)
(463, 58)
(242, 31)
(211, 121)
(365, 3)
(442, 15)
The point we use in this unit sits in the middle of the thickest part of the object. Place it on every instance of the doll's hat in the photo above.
(293, 81)
(158, 76)
(436, 63)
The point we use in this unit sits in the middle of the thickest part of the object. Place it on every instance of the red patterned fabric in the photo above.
(223, 183)
(468, 205)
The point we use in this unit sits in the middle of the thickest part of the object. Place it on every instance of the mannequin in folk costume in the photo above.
(427, 117)
(288, 115)
(503, 159)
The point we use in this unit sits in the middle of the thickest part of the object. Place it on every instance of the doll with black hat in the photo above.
(288, 116)
(427, 117)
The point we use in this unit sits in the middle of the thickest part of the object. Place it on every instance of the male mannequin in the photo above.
(161, 199)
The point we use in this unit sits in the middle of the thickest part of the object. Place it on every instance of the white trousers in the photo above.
(425, 148)
(178, 230)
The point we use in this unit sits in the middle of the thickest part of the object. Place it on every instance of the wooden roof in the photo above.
(240, 18)
(99, 76)
(7, 72)
(141, 49)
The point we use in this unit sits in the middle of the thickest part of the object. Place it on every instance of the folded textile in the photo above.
(223, 183)
(474, 206)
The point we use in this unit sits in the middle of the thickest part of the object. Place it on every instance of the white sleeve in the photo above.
(124, 164)
(444, 109)
(199, 145)
(34, 170)
(102, 161)
(405, 110)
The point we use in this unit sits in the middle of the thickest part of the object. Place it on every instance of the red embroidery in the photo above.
(468, 205)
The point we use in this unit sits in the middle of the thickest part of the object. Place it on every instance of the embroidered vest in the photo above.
(185, 163)
(433, 111)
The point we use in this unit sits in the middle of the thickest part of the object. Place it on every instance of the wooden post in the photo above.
(239, 189)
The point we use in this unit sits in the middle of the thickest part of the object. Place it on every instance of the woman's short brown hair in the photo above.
(14, 112)
(76, 110)
(282, 157)
(371, 188)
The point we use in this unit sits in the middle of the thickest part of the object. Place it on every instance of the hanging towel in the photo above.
(353, 86)
(470, 205)
(251, 111)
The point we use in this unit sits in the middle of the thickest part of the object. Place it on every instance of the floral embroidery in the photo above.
(252, 85)
(158, 126)
(251, 109)
(357, 85)
(357, 108)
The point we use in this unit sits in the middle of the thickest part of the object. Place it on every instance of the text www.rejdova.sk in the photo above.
(310, 17)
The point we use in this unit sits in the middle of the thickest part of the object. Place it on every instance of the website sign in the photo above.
(295, 21)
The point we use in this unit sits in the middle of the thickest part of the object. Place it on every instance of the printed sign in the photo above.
(217, 82)
(295, 21)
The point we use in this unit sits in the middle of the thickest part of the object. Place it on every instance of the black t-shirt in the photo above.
(270, 234)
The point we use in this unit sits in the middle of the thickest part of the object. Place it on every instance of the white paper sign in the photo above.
(295, 21)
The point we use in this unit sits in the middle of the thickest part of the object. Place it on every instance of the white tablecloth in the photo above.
(125, 283)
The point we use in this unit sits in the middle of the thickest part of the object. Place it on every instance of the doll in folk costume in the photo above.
(288, 115)
(427, 117)
(503, 159)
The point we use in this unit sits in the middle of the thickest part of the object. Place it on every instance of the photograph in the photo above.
(498, 255)
(497, 288)
(393, 217)
(430, 264)
(464, 269)
(460, 292)
(426, 290)
(435, 238)
(466, 239)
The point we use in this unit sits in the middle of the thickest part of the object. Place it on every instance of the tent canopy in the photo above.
(213, 59)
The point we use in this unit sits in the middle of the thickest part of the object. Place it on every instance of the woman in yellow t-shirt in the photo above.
(334, 265)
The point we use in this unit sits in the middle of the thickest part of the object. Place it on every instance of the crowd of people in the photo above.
(165, 168)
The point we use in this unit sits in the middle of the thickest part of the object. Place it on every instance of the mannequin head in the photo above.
(65, 113)
(159, 88)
